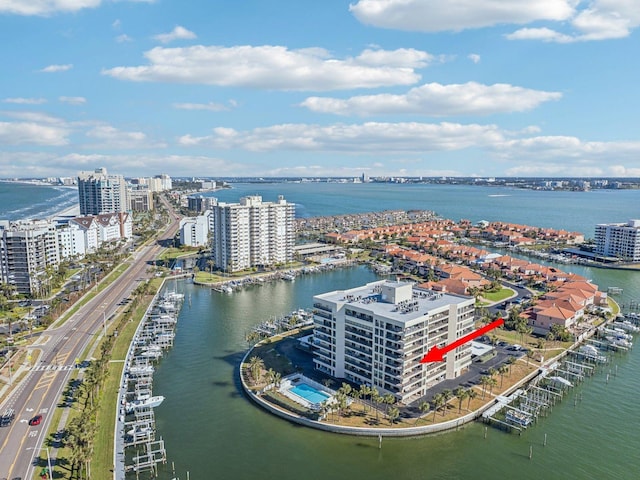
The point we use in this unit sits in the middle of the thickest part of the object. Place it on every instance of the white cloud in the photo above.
(598, 20)
(57, 68)
(577, 20)
(34, 117)
(275, 67)
(178, 33)
(372, 137)
(50, 7)
(73, 100)
(48, 164)
(30, 133)
(116, 24)
(111, 137)
(436, 100)
(455, 15)
(123, 38)
(211, 106)
(25, 101)
(474, 57)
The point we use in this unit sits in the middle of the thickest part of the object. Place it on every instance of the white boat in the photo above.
(627, 326)
(150, 402)
(140, 431)
(589, 350)
(141, 370)
(155, 354)
(561, 380)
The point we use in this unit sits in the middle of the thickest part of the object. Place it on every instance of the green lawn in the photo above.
(499, 295)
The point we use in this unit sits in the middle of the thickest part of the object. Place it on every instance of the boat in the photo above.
(150, 402)
(562, 381)
(140, 431)
(141, 370)
(519, 417)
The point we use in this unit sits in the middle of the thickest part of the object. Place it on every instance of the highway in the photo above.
(57, 349)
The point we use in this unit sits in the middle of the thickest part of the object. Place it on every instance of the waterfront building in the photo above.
(194, 231)
(252, 233)
(620, 240)
(377, 334)
(27, 249)
(101, 193)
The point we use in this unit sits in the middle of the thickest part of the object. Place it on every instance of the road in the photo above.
(40, 391)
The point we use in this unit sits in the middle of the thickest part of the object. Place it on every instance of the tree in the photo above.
(393, 415)
(484, 381)
(256, 364)
(436, 402)
(471, 394)
(461, 393)
(504, 368)
(364, 391)
(424, 408)
(446, 396)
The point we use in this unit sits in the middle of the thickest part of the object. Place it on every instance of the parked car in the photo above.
(35, 420)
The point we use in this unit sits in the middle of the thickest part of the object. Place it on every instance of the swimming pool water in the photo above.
(309, 393)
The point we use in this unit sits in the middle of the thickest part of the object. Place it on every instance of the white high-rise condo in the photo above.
(620, 240)
(377, 334)
(252, 233)
(101, 193)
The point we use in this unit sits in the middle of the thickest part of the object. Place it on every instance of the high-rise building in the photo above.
(377, 334)
(102, 193)
(27, 248)
(194, 231)
(252, 233)
(620, 240)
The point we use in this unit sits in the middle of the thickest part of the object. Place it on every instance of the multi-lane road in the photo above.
(55, 352)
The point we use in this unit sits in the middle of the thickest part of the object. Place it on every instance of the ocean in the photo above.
(33, 201)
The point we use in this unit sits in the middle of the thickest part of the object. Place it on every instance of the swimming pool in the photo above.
(308, 393)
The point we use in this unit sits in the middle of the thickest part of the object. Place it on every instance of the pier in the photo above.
(137, 448)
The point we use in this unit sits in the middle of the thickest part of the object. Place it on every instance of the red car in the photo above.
(35, 420)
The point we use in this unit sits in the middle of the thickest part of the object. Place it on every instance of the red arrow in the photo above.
(437, 354)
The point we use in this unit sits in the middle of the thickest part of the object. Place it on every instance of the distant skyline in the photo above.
(540, 88)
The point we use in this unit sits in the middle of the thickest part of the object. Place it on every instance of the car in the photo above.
(35, 420)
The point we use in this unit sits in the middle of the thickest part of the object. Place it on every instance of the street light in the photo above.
(48, 459)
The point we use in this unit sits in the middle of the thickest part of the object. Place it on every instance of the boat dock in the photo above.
(137, 449)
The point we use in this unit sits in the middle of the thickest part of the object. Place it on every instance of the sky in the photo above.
(221, 88)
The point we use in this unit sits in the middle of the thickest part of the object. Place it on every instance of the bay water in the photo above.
(213, 432)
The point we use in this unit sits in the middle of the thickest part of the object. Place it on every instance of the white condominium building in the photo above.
(100, 193)
(620, 240)
(27, 248)
(252, 233)
(194, 231)
(377, 334)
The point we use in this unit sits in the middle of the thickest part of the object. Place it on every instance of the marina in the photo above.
(138, 449)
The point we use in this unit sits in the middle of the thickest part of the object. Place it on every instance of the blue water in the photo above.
(309, 393)
(24, 200)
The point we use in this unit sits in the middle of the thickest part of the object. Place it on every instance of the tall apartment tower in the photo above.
(620, 240)
(377, 334)
(27, 248)
(101, 193)
(252, 233)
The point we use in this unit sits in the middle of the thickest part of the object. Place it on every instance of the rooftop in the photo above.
(399, 301)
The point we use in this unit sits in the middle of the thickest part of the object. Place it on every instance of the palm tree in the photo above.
(270, 375)
(356, 393)
(256, 364)
(375, 397)
(484, 381)
(364, 391)
(393, 415)
(461, 393)
(277, 377)
(471, 394)
(436, 402)
(424, 408)
(504, 368)
(446, 396)
(510, 361)
(388, 399)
